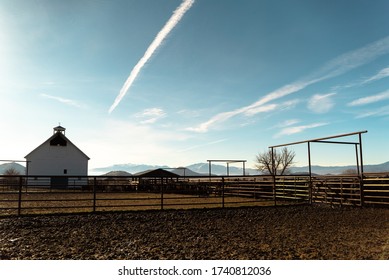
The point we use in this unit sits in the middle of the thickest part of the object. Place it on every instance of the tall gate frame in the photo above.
(227, 161)
(328, 140)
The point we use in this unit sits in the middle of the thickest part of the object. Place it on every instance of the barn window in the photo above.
(58, 141)
(65, 171)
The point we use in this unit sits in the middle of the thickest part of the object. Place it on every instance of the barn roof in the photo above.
(157, 173)
(57, 139)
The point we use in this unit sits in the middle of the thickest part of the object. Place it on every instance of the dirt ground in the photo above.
(294, 232)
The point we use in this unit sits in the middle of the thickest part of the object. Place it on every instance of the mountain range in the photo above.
(323, 170)
(217, 169)
(198, 169)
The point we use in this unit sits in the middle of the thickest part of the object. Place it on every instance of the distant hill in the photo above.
(117, 173)
(184, 171)
(217, 169)
(323, 170)
(18, 167)
(128, 167)
(201, 169)
(198, 169)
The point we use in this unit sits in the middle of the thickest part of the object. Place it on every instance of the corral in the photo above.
(99, 193)
(229, 221)
(161, 189)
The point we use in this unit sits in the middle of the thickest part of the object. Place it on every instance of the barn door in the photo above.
(58, 182)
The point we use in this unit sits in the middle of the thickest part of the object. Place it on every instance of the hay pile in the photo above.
(299, 232)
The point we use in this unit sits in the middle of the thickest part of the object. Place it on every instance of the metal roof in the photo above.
(58, 134)
(157, 173)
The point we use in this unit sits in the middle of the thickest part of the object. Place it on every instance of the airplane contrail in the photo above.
(170, 24)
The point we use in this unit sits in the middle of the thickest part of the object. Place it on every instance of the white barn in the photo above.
(59, 159)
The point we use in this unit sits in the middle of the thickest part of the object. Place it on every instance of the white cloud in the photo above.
(380, 75)
(204, 127)
(353, 59)
(288, 123)
(251, 110)
(366, 115)
(261, 109)
(66, 101)
(321, 103)
(271, 107)
(370, 99)
(333, 68)
(297, 129)
(383, 111)
(383, 73)
(150, 115)
(289, 104)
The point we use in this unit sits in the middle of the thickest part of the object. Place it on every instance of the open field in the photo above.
(292, 232)
(83, 202)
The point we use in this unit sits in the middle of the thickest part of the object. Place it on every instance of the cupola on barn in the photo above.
(57, 158)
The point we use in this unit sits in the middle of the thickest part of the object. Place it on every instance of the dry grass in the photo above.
(78, 202)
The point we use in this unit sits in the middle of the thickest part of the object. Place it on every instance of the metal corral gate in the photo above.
(337, 190)
(292, 188)
(371, 190)
(334, 190)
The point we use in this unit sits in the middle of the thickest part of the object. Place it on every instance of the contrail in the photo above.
(170, 24)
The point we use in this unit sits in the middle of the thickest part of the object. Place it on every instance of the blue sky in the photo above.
(223, 80)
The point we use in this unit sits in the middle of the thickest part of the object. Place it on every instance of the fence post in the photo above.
(361, 184)
(341, 191)
(273, 173)
(20, 195)
(274, 189)
(362, 191)
(94, 194)
(161, 193)
(223, 192)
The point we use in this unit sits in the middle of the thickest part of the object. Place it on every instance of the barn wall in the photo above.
(53, 160)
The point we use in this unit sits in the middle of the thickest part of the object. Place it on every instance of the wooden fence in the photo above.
(28, 195)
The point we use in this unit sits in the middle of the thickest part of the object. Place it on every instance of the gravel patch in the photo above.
(295, 232)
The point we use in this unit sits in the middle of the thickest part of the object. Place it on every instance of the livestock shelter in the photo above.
(58, 158)
(155, 178)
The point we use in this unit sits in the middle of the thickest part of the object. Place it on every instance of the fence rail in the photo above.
(44, 194)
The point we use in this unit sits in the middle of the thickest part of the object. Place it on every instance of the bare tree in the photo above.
(282, 160)
(12, 181)
(11, 171)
